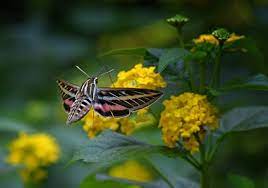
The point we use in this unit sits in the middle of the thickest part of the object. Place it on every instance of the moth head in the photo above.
(92, 80)
(95, 80)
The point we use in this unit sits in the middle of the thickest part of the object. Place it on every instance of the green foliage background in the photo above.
(43, 40)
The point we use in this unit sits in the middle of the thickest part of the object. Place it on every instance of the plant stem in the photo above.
(195, 165)
(202, 77)
(180, 37)
(194, 160)
(186, 155)
(190, 74)
(215, 148)
(204, 178)
(215, 80)
(204, 181)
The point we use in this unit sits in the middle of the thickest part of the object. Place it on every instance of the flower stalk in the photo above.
(215, 80)
(202, 77)
(204, 181)
(180, 37)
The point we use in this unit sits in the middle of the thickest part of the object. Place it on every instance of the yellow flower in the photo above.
(206, 38)
(185, 118)
(191, 144)
(140, 77)
(34, 152)
(94, 123)
(131, 170)
(141, 119)
(233, 37)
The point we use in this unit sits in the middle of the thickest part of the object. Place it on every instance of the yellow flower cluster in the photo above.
(140, 77)
(209, 38)
(131, 170)
(141, 119)
(233, 37)
(206, 38)
(94, 123)
(137, 77)
(185, 118)
(34, 152)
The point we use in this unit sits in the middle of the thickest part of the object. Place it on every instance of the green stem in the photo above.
(190, 74)
(215, 80)
(204, 181)
(194, 160)
(194, 164)
(215, 149)
(180, 37)
(202, 77)
(186, 155)
(204, 178)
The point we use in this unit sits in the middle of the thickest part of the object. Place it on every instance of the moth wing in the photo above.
(68, 92)
(109, 109)
(79, 109)
(128, 98)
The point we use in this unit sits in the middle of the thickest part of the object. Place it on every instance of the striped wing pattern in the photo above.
(120, 102)
(68, 92)
(79, 109)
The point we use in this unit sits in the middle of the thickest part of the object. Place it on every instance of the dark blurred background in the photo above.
(42, 40)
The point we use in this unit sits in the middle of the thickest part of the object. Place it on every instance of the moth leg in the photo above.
(93, 114)
(111, 111)
(110, 77)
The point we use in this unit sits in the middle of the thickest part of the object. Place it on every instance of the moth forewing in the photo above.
(120, 99)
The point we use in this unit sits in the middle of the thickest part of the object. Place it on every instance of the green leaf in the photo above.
(237, 120)
(91, 181)
(155, 52)
(243, 119)
(110, 147)
(197, 55)
(174, 171)
(9, 125)
(171, 56)
(125, 51)
(240, 181)
(11, 179)
(258, 82)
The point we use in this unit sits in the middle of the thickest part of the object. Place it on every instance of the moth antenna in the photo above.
(105, 73)
(82, 70)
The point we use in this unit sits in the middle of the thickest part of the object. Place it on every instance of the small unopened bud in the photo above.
(177, 21)
(221, 34)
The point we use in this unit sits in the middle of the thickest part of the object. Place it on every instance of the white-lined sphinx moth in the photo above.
(108, 102)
